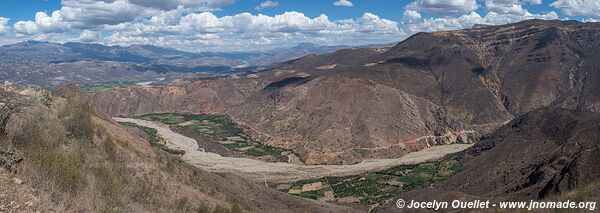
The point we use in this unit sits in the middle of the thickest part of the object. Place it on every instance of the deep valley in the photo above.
(494, 112)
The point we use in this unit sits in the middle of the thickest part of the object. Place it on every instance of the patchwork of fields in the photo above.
(222, 130)
(376, 188)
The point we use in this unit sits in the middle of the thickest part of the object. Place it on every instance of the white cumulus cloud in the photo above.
(194, 25)
(26, 27)
(467, 21)
(3, 27)
(96, 14)
(535, 2)
(509, 6)
(505, 6)
(589, 8)
(206, 31)
(90, 36)
(267, 4)
(444, 6)
(344, 3)
(167, 5)
(411, 16)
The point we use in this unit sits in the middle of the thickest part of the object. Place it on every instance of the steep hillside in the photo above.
(343, 120)
(545, 154)
(363, 103)
(58, 153)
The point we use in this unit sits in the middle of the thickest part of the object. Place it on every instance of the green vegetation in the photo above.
(313, 194)
(262, 150)
(107, 181)
(47, 99)
(58, 168)
(219, 128)
(378, 187)
(10, 156)
(236, 208)
(91, 88)
(154, 139)
(51, 146)
(237, 145)
(63, 168)
(214, 126)
(77, 118)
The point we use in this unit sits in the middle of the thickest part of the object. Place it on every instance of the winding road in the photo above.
(283, 172)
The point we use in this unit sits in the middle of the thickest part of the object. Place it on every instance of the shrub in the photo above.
(181, 203)
(203, 208)
(236, 208)
(77, 119)
(106, 182)
(41, 140)
(47, 99)
(10, 156)
(111, 150)
(63, 169)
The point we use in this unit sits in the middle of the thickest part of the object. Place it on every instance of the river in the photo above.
(283, 172)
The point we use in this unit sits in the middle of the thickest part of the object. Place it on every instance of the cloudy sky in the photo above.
(247, 25)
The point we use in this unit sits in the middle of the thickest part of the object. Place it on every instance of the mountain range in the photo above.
(51, 64)
(361, 103)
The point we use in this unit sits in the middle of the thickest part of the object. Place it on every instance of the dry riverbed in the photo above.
(283, 172)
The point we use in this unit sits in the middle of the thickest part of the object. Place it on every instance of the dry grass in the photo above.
(77, 119)
(77, 160)
(585, 193)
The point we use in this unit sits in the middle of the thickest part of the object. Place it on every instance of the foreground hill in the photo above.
(549, 153)
(58, 153)
(362, 103)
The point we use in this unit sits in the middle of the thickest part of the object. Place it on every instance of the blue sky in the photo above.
(225, 25)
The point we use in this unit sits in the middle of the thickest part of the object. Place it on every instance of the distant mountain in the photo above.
(284, 54)
(35, 51)
(50, 64)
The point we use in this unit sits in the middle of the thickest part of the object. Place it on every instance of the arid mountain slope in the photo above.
(343, 120)
(365, 103)
(58, 153)
(542, 154)
(205, 96)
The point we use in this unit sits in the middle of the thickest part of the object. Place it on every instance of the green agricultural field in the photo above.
(91, 88)
(219, 128)
(214, 126)
(379, 187)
